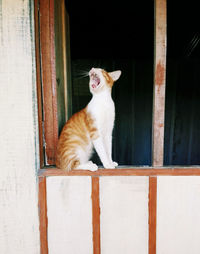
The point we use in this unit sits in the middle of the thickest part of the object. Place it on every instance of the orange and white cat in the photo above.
(91, 127)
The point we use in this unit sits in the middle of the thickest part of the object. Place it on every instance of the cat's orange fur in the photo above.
(108, 78)
(78, 131)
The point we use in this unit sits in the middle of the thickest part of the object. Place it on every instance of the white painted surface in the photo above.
(178, 215)
(69, 215)
(124, 215)
(19, 231)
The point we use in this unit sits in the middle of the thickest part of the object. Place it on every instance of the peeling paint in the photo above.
(160, 74)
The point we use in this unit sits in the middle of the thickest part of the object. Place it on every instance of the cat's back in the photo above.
(75, 127)
(73, 135)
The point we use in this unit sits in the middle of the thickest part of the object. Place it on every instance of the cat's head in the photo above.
(101, 80)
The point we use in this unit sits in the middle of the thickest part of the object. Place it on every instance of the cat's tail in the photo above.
(67, 163)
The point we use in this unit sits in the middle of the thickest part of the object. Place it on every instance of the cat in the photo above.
(91, 127)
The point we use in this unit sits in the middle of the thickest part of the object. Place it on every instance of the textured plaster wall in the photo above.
(19, 231)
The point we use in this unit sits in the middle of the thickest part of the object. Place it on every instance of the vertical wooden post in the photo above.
(152, 214)
(42, 204)
(158, 112)
(159, 83)
(96, 216)
(48, 76)
(65, 51)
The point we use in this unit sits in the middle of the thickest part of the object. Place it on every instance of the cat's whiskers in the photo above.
(82, 74)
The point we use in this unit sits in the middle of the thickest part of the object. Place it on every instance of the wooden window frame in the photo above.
(48, 124)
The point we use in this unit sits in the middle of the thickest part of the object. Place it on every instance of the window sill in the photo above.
(125, 171)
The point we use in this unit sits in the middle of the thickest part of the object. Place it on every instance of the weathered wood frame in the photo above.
(46, 80)
(48, 126)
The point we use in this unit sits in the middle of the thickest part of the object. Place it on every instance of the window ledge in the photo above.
(125, 171)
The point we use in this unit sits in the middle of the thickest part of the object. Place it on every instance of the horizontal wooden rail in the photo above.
(125, 171)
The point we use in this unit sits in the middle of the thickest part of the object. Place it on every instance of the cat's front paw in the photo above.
(92, 166)
(111, 165)
(115, 163)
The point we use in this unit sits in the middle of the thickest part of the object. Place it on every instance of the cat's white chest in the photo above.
(102, 110)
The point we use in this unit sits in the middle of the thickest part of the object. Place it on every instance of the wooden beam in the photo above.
(48, 76)
(162, 171)
(96, 216)
(159, 83)
(64, 51)
(42, 205)
(152, 214)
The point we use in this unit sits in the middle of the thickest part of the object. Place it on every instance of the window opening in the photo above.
(182, 121)
(116, 35)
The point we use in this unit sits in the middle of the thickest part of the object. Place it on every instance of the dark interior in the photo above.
(182, 129)
(120, 35)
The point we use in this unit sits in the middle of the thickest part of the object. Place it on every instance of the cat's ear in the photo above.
(115, 75)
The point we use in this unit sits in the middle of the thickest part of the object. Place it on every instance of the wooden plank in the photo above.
(42, 204)
(60, 68)
(152, 214)
(159, 83)
(96, 216)
(53, 78)
(190, 171)
(65, 46)
(66, 61)
(48, 75)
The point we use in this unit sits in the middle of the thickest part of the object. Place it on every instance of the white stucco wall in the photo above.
(69, 215)
(178, 215)
(19, 230)
(124, 214)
